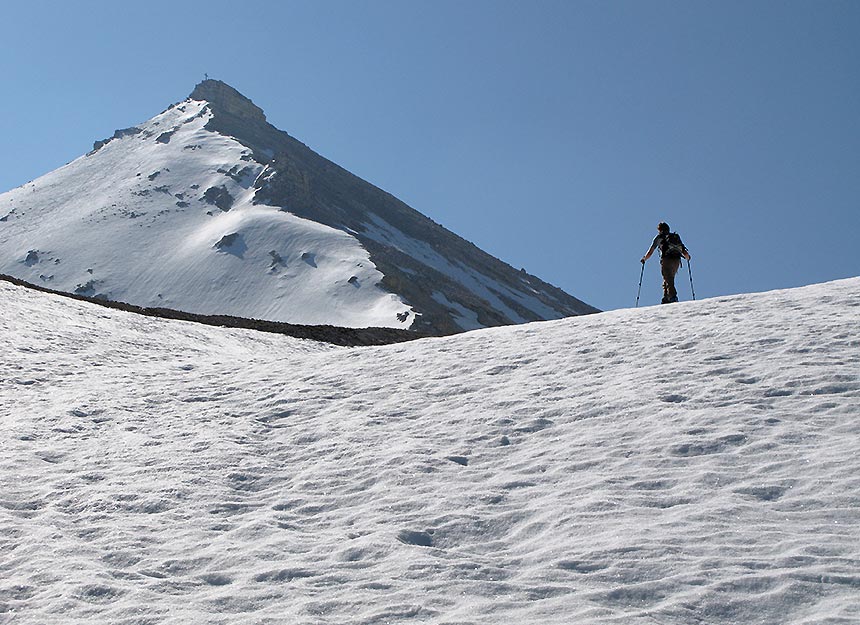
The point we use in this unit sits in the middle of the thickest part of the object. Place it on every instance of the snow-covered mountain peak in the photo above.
(163, 214)
(208, 208)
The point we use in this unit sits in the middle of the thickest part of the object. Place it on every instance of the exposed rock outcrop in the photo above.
(118, 134)
(219, 196)
(225, 99)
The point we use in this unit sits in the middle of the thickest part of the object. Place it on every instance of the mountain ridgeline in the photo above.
(209, 209)
(303, 182)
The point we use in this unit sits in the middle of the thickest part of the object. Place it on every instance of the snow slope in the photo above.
(693, 463)
(163, 215)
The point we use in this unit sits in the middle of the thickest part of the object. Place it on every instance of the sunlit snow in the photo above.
(181, 231)
(692, 463)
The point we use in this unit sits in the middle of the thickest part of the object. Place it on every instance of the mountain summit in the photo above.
(224, 99)
(210, 209)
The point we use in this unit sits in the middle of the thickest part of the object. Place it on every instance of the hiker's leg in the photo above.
(669, 267)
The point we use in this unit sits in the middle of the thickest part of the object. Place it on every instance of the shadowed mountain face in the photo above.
(450, 282)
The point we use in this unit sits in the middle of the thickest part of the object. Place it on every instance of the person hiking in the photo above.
(671, 251)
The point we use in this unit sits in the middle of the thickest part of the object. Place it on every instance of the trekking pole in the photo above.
(690, 269)
(642, 273)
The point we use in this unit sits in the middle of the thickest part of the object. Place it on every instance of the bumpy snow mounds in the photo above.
(693, 463)
(162, 215)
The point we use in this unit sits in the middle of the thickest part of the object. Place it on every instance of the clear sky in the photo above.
(554, 135)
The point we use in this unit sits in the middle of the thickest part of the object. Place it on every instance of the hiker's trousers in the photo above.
(669, 267)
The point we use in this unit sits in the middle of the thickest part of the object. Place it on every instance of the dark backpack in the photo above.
(671, 246)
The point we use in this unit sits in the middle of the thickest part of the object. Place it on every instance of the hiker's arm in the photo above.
(686, 253)
(650, 251)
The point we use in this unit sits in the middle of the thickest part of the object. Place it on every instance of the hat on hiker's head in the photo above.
(663, 227)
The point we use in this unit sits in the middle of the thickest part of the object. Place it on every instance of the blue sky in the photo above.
(554, 135)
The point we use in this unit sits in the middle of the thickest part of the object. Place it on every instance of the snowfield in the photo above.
(693, 463)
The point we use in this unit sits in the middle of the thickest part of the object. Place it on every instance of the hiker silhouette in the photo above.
(672, 249)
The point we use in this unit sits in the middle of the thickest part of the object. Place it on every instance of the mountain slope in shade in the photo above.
(208, 208)
(612, 472)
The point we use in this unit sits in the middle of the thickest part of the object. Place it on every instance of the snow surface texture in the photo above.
(692, 463)
(183, 233)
